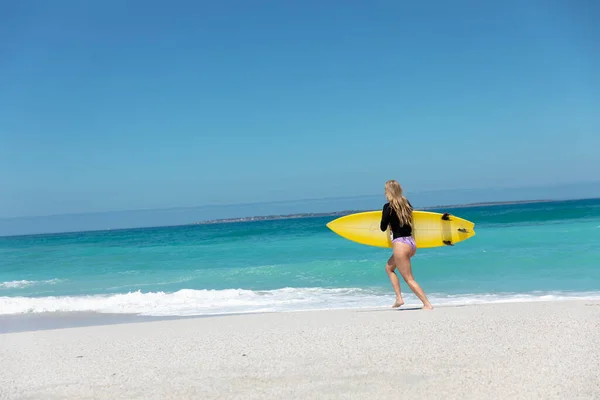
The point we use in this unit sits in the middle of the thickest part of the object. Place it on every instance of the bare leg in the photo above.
(389, 268)
(402, 255)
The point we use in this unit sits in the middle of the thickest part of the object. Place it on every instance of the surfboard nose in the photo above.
(332, 225)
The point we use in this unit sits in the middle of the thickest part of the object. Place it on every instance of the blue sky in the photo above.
(123, 105)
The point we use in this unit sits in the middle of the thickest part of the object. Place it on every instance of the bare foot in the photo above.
(398, 303)
(427, 307)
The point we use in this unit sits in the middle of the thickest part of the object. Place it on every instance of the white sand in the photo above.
(501, 351)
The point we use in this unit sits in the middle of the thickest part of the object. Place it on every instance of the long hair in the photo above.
(399, 203)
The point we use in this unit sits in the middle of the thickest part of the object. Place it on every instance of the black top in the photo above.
(389, 217)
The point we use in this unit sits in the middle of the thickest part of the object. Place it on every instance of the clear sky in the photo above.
(124, 105)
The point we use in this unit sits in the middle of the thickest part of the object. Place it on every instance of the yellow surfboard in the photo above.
(430, 229)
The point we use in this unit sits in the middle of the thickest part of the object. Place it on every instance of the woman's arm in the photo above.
(385, 217)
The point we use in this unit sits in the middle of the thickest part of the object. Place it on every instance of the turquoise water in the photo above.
(521, 252)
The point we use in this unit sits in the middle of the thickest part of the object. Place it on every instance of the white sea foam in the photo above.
(207, 302)
(23, 283)
(15, 284)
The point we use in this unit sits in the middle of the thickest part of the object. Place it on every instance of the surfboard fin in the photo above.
(448, 243)
(446, 217)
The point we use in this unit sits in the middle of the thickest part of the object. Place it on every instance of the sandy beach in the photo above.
(496, 351)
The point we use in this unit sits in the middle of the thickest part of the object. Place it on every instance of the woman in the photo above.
(397, 213)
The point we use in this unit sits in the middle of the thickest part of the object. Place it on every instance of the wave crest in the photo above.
(23, 283)
(209, 302)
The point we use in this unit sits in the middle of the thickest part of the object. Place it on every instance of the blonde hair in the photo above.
(399, 203)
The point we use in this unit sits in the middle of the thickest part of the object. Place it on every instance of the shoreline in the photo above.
(56, 320)
(507, 350)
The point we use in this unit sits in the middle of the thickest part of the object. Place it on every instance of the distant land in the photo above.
(347, 212)
(285, 209)
(491, 203)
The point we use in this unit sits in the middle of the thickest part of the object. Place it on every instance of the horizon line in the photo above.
(212, 205)
(298, 215)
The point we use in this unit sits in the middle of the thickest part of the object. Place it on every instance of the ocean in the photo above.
(521, 252)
